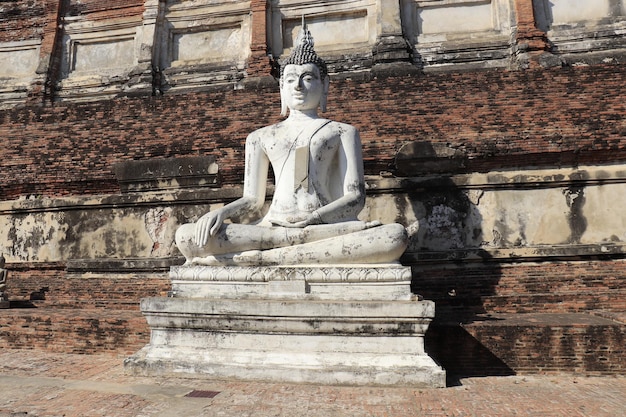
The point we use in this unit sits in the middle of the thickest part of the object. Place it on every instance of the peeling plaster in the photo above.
(160, 226)
(526, 209)
(443, 226)
(36, 237)
(575, 200)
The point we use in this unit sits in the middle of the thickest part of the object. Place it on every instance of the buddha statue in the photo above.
(319, 188)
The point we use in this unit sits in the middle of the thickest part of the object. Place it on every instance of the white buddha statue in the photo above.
(319, 188)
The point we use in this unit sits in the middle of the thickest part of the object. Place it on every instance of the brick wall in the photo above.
(549, 345)
(575, 286)
(105, 10)
(20, 20)
(30, 281)
(48, 284)
(73, 330)
(499, 119)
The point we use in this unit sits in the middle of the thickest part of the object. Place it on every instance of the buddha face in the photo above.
(302, 87)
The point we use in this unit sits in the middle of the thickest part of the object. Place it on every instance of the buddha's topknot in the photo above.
(303, 53)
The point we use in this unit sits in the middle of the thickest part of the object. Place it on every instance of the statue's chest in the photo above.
(318, 150)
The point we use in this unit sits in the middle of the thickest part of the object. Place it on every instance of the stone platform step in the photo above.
(73, 330)
(507, 344)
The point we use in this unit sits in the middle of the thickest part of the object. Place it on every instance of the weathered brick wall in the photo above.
(26, 19)
(461, 291)
(105, 10)
(30, 281)
(48, 284)
(20, 20)
(549, 287)
(552, 345)
(73, 330)
(499, 119)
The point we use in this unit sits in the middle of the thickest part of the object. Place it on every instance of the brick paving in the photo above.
(39, 384)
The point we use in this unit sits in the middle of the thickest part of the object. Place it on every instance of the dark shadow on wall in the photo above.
(461, 354)
(542, 10)
(448, 265)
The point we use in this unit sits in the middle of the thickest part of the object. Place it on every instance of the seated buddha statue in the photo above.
(319, 188)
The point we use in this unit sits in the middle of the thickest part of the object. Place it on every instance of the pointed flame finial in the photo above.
(304, 37)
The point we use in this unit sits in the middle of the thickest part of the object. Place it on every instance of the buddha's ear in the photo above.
(324, 98)
(283, 102)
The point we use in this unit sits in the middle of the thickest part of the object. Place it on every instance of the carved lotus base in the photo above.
(326, 282)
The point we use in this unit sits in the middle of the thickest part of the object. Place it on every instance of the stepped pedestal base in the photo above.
(291, 330)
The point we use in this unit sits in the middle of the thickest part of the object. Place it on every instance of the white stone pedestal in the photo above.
(315, 324)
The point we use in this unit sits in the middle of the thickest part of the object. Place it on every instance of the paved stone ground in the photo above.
(38, 384)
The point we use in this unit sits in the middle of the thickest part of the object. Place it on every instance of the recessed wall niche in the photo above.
(203, 42)
(344, 31)
(576, 27)
(98, 57)
(18, 65)
(446, 32)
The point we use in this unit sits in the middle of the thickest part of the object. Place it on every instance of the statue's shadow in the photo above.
(448, 262)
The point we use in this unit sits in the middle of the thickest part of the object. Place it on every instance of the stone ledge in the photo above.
(331, 309)
(120, 265)
(518, 179)
(541, 319)
(256, 316)
(530, 253)
(302, 367)
(167, 174)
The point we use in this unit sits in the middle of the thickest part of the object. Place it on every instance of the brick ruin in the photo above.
(497, 126)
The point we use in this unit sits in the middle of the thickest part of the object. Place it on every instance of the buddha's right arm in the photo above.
(209, 224)
(254, 187)
(255, 175)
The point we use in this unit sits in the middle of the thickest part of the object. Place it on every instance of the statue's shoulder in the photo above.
(263, 132)
(342, 129)
(341, 125)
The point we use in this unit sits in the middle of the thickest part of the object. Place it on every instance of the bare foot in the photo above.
(374, 223)
(212, 260)
(249, 257)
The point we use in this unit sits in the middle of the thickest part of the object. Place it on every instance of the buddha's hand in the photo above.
(302, 220)
(207, 226)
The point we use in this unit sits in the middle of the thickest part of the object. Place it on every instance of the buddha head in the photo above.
(303, 77)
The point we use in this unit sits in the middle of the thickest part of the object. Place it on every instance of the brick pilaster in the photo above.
(390, 45)
(50, 52)
(259, 64)
(529, 40)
